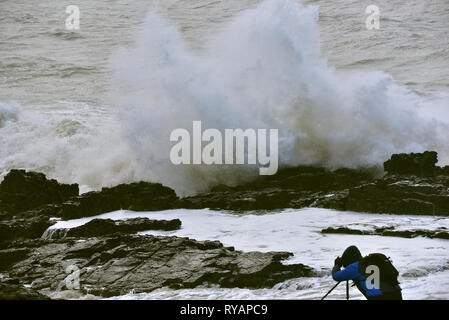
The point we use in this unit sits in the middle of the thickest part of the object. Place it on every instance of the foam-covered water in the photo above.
(120, 85)
(423, 263)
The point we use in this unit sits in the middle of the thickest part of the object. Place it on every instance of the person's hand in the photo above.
(338, 261)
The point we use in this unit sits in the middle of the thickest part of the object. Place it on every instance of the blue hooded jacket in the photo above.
(351, 272)
(350, 259)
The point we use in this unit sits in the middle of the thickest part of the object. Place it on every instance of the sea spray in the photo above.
(8, 112)
(264, 69)
(64, 141)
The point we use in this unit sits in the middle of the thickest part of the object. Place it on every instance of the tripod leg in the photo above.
(330, 290)
(347, 290)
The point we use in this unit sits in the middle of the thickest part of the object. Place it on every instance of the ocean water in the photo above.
(423, 263)
(96, 106)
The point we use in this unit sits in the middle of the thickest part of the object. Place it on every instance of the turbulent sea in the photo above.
(96, 106)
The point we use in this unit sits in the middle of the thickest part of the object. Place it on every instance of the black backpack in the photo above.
(388, 273)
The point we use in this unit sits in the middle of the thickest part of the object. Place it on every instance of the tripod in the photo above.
(347, 290)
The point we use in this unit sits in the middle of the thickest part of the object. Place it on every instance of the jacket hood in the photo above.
(351, 255)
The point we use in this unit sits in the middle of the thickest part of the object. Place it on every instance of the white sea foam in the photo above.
(8, 112)
(263, 70)
(73, 142)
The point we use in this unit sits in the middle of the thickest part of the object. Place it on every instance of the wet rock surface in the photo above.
(28, 200)
(102, 227)
(28, 194)
(396, 195)
(24, 228)
(139, 196)
(13, 290)
(142, 196)
(116, 265)
(412, 185)
(21, 191)
(418, 164)
(290, 188)
(390, 232)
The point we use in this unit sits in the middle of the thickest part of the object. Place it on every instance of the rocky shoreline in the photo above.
(413, 185)
(390, 232)
(118, 264)
(113, 260)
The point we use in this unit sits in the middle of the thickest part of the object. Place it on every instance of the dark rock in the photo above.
(21, 191)
(102, 227)
(6, 232)
(9, 257)
(336, 201)
(311, 179)
(418, 189)
(14, 291)
(118, 264)
(398, 196)
(390, 232)
(419, 164)
(240, 200)
(344, 230)
(221, 188)
(24, 228)
(290, 188)
(444, 171)
(139, 196)
(30, 193)
(414, 185)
